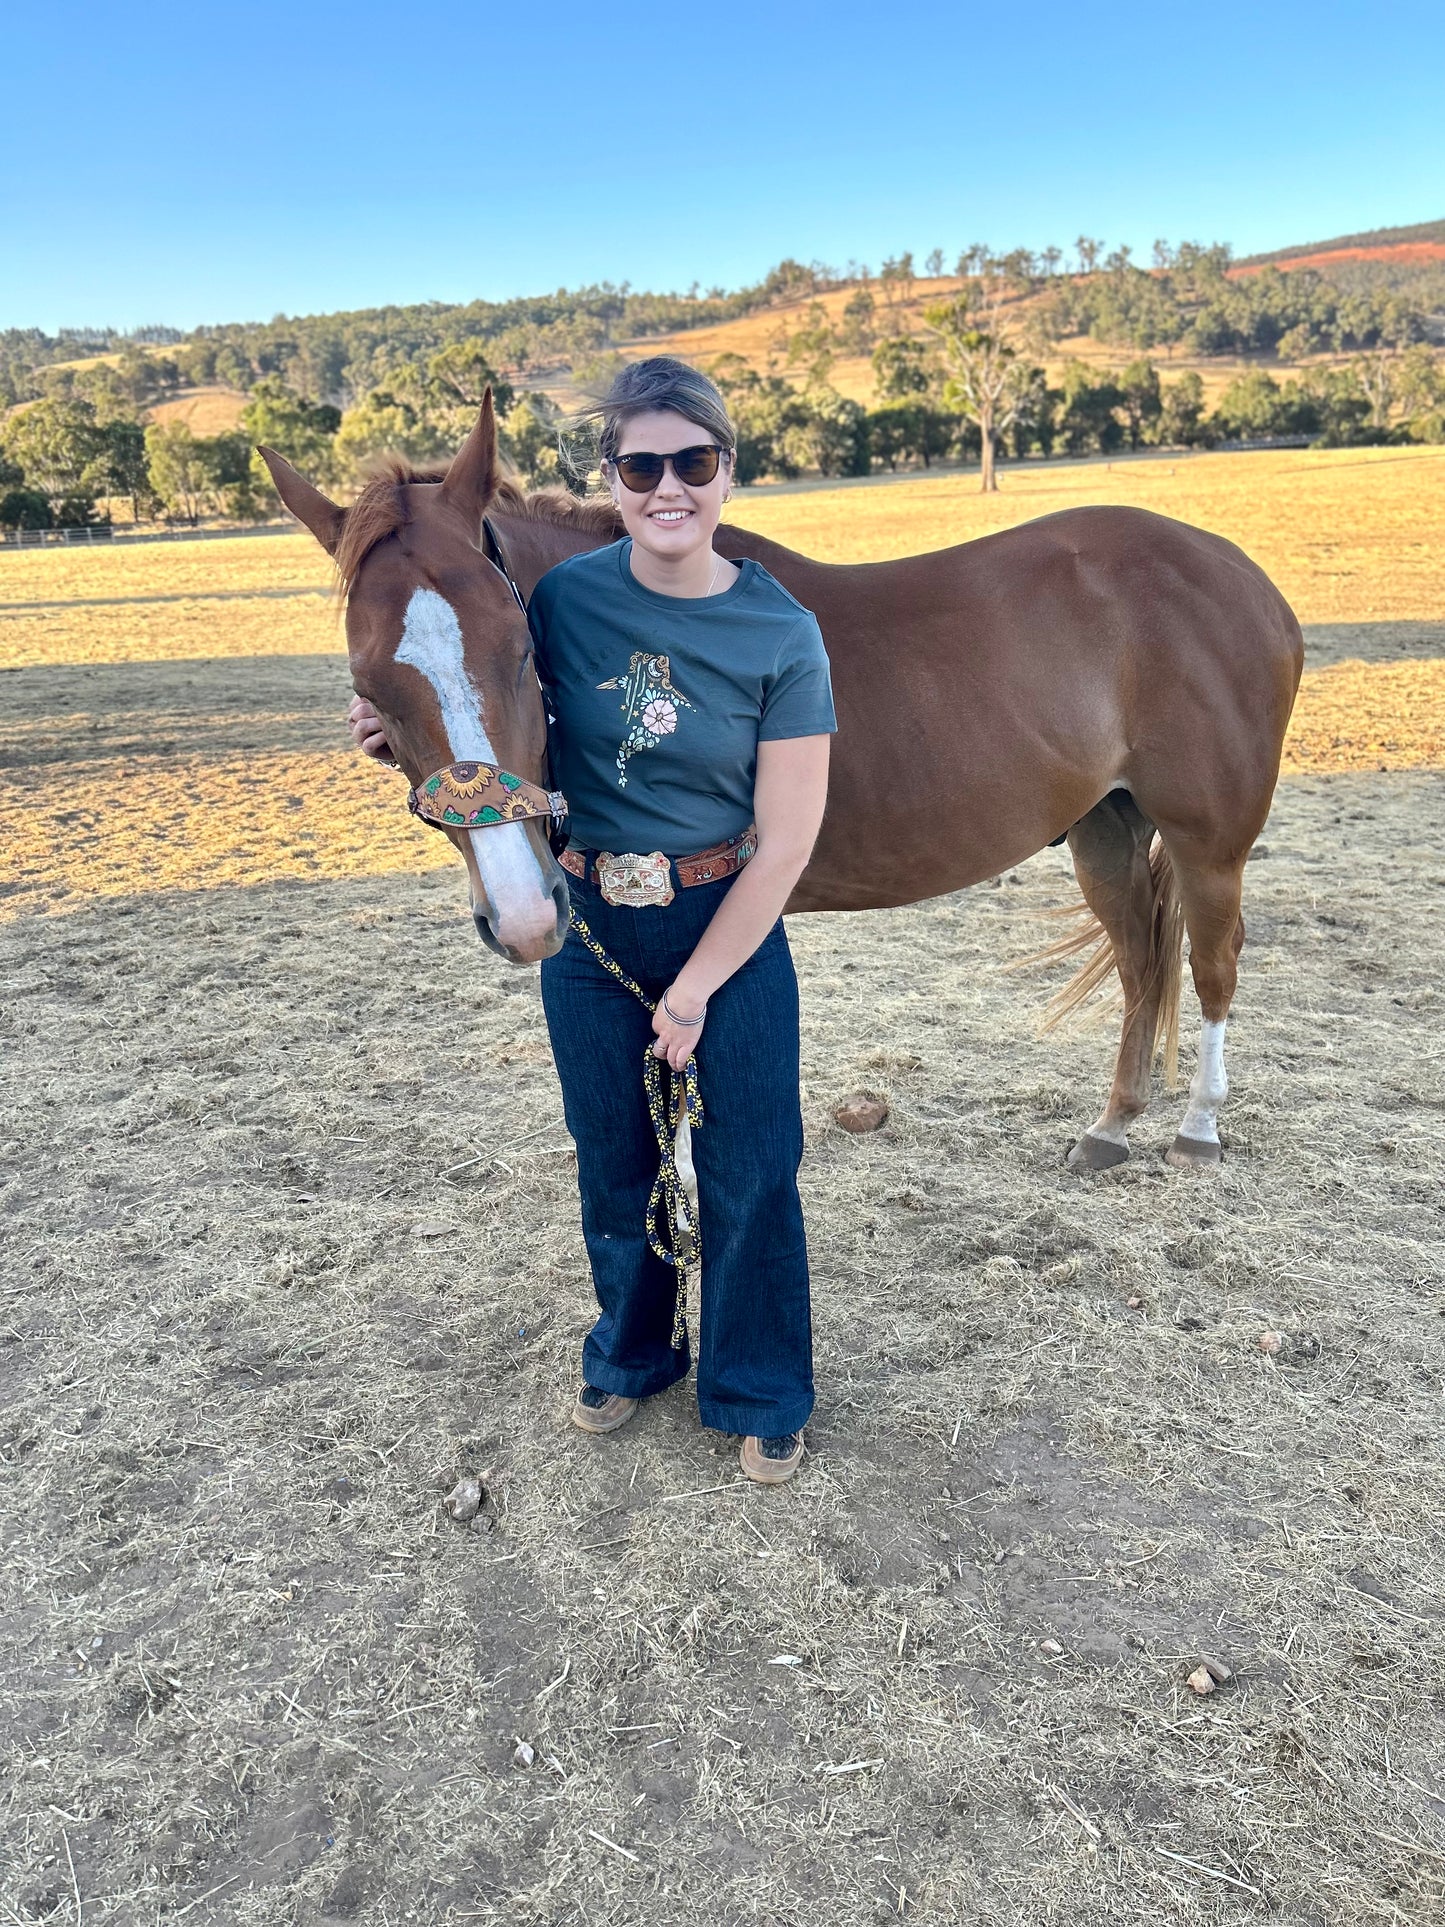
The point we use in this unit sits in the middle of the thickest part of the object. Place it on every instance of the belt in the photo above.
(635, 880)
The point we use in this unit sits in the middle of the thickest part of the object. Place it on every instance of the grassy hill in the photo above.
(1378, 241)
(1405, 261)
(205, 411)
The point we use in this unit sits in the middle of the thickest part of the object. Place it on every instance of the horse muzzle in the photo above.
(471, 797)
(537, 945)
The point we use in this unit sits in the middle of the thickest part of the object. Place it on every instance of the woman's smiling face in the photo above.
(674, 520)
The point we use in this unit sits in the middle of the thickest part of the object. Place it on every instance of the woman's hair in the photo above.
(662, 381)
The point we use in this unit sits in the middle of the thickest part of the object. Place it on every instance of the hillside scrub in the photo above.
(1191, 294)
(985, 379)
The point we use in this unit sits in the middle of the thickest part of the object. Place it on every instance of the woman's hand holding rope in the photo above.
(677, 1023)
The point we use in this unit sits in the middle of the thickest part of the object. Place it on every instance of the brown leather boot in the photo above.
(598, 1411)
(772, 1461)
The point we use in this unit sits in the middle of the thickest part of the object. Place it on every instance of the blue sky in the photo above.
(190, 164)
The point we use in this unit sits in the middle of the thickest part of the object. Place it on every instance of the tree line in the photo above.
(967, 380)
(1185, 296)
(934, 407)
(338, 358)
(67, 458)
(956, 392)
(972, 382)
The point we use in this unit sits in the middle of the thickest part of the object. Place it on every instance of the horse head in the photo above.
(440, 646)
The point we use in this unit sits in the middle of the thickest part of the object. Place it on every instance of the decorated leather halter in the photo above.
(473, 796)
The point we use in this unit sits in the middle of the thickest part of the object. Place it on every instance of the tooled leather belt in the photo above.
(633, 880)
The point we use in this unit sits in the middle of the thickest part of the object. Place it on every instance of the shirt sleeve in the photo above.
(798, 696)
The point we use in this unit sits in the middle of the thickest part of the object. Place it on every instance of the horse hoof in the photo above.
(1193, 1154)
(1097, 1153)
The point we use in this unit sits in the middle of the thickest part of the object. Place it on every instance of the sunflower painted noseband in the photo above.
(474, 796)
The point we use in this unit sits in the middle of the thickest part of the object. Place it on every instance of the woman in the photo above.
(693, 710)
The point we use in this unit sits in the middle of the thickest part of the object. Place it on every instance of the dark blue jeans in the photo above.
(755, 1337)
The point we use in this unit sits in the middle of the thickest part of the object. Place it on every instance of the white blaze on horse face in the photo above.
(431, 640)
(1209, 1088)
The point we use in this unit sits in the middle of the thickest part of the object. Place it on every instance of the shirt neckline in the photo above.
(745, 568)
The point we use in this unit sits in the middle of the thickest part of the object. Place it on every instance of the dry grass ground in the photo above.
(290, 1241)
(165, 601)
(1350, 535)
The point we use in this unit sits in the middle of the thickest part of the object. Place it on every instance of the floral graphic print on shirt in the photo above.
(650, 704)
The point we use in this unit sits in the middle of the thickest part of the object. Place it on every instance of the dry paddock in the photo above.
(290, 1242)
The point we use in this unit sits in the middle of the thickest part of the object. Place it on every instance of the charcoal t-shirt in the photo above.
(661, 701)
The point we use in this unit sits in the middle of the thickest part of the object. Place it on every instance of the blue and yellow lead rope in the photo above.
(683, 1097)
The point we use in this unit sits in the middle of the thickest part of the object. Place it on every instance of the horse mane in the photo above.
(381, 510)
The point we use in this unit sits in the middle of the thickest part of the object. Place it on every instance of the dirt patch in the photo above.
(252, 1333)
(1368, 716)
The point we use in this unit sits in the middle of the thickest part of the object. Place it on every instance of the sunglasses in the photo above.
(693, 467)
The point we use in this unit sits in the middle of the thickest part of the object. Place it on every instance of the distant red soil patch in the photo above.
(1404, 252)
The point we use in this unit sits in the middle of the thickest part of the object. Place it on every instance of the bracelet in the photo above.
(688, 1023)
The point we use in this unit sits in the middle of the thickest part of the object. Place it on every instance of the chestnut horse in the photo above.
(1104, 673)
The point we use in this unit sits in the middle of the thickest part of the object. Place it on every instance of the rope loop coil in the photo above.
(667, 1107)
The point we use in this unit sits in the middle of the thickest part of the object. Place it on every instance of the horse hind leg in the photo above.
(1127, 883)
(1210, 894)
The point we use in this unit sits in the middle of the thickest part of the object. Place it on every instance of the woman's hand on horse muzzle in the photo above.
(367, 731)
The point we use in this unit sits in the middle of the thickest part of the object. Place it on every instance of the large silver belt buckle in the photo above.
(632, 881)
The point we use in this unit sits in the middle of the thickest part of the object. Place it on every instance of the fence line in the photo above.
(104, 532)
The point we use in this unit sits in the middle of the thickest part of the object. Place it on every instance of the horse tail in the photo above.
(1166, 957)
(1163, 968)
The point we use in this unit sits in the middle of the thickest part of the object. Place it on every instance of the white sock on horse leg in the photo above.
(1209, 1088)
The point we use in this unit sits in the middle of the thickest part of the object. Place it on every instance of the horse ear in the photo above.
(307, 504)
(471, 481)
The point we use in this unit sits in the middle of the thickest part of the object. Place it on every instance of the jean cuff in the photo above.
(749, 1422)
(621, 1384)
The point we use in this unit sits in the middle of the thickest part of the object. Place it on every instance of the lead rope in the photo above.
(683, 1097)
